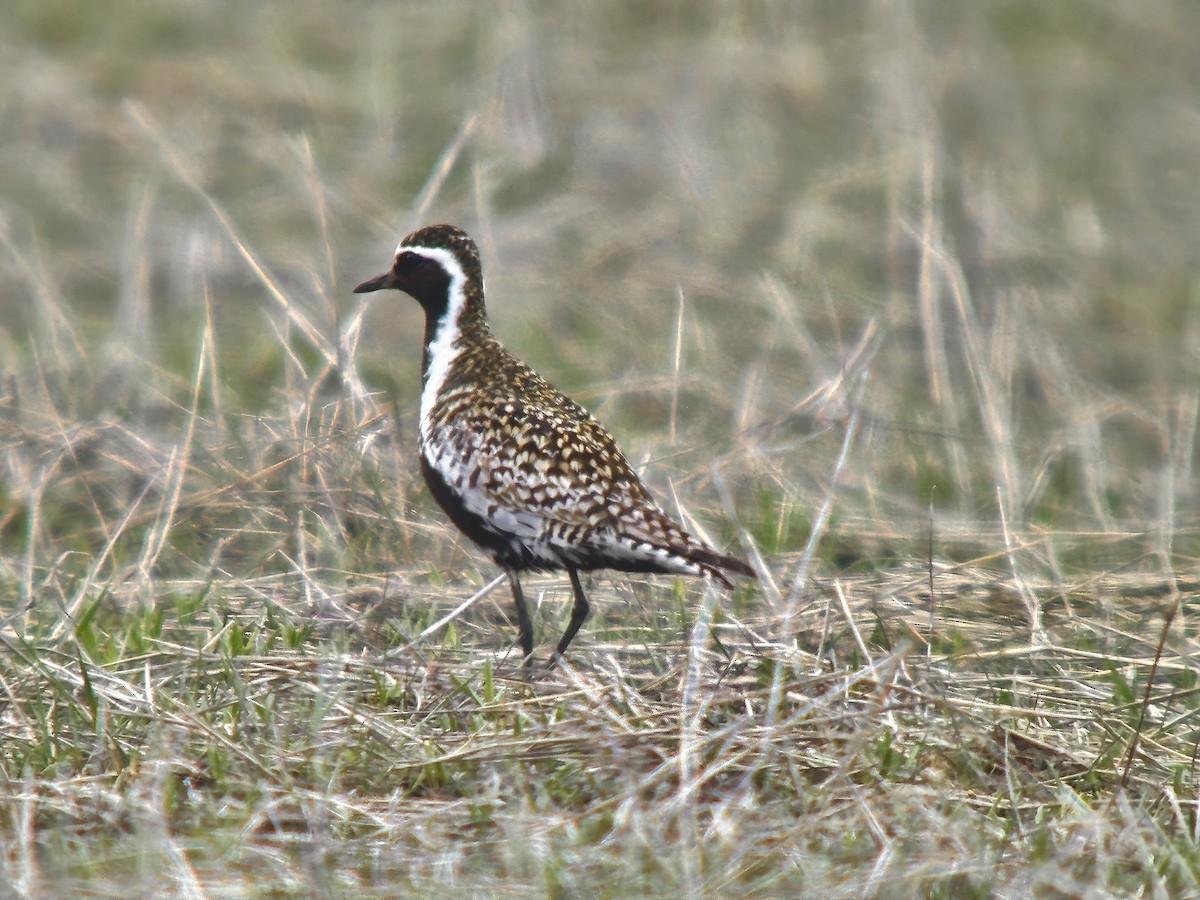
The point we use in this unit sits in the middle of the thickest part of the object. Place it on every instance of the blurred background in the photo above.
(898, 299)
(728, 229)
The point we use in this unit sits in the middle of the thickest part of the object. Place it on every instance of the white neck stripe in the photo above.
(442, 350)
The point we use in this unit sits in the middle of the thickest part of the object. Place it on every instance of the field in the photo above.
(898, 300)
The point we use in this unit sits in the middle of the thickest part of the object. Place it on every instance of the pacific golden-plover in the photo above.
(522, 470)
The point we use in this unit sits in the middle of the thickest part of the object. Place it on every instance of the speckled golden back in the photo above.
(517, 449)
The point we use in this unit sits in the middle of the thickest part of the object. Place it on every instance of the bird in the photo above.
(522, 470)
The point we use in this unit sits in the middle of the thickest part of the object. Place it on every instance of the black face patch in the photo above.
(424, 279)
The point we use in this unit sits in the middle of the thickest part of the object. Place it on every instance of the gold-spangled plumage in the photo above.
(517, 465)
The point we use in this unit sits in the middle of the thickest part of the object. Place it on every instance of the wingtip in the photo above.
(714, 563)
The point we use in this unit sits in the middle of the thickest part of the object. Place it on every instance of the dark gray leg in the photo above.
(524, 625)
(578, 614)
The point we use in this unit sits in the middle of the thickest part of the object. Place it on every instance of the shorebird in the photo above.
(520, 468)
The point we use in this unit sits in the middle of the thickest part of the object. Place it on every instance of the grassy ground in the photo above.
(898, 300)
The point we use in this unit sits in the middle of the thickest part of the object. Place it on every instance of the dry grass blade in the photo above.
(884, 295)
(175, 163)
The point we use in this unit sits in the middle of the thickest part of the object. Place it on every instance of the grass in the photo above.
(901, 306)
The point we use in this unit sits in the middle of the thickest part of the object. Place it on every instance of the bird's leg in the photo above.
(524, 625)
(578, 613)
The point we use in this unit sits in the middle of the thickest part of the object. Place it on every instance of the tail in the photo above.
(713, 563)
